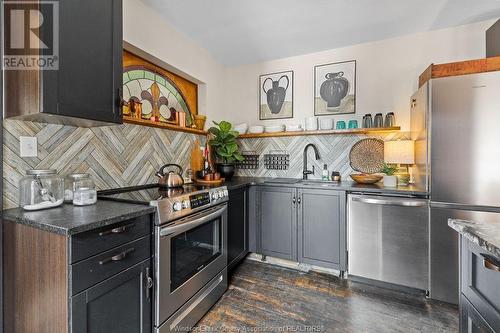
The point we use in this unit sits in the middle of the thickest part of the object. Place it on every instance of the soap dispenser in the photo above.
(324, 173)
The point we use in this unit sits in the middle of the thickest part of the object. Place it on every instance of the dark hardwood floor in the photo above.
(266, 298)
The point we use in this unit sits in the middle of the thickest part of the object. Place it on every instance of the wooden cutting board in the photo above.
(196, 157)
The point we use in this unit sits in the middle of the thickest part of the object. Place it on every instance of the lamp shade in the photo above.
(399, 152)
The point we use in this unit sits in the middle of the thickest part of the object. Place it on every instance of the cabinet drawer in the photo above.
(481, 281)
(102, 266)
(90, 243)
(471, 320)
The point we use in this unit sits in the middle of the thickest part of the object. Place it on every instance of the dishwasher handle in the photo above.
(390, 202)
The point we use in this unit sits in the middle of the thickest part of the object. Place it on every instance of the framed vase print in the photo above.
(276, 95)
(335, 88)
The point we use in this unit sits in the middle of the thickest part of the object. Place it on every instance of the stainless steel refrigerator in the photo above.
(455, 122)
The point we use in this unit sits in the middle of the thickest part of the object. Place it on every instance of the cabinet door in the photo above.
(278, 222)
(88, 83)
(237, 226)
(471, 320)
(120, 304)
(321, 228)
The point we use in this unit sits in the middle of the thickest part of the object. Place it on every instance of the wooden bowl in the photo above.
(366, 178)
(203, 182)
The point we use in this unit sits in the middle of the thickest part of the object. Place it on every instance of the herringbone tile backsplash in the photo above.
(127, 155)
(334, 151)
(115, 156)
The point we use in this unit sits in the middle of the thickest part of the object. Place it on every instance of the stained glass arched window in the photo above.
(157, 93)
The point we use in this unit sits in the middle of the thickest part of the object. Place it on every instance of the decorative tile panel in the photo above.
(115, 156)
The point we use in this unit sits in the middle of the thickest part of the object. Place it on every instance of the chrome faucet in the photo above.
(306, 172)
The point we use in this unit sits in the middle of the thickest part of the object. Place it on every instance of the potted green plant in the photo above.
(226, 148)
(389, 179)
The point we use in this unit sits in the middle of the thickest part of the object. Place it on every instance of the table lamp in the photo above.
(400, 152)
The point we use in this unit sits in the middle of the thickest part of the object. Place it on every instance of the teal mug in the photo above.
(353, 124)
(340, 125)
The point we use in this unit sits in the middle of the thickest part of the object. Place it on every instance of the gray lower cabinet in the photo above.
(304, 225)
(322, 228)
(278, 222)
(480, 289)
(119, 304)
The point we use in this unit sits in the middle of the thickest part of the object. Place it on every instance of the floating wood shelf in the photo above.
(328, 132)
(149, 123)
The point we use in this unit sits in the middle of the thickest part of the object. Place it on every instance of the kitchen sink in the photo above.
(318, 182)
(306, 182)
(283, 181)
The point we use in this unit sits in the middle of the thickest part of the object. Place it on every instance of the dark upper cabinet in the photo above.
(121, 304)
(88, 83)
(237, 226)
(321, 228)
(278, 222)
(86, 90)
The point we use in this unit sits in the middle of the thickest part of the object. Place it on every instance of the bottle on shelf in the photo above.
(324, 173)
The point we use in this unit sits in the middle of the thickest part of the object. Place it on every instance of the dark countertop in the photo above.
(349, 186)
(484, 234)
(69, 220)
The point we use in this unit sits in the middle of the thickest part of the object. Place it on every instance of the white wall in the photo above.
(387, 74)
(147, 30)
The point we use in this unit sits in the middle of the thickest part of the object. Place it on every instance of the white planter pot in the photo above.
(390, 181)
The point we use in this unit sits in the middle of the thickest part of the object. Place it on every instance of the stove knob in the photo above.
(215, 195)
(185, 204)
(221, 194)
(226, 193)
(177, 206)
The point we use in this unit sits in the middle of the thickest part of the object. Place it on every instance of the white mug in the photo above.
(311, 124)
(326, 123)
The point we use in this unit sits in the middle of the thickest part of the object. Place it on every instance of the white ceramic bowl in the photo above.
(293, 128)
(256, 129)
(274, 128)
(241, 128)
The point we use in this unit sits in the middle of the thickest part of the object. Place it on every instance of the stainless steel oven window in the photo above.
(193, 250)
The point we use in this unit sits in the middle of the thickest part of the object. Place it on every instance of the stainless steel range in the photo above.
(190, 250)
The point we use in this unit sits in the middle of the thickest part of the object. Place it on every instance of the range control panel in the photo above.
(198, 200)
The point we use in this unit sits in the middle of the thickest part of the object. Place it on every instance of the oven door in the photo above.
(189, 253)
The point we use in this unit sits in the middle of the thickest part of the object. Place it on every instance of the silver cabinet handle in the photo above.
(293, 200)
(117, 257)
(192, 222)
(490, 264)
(149, 283)
(388, 202)
(299, 200)
(119, 230)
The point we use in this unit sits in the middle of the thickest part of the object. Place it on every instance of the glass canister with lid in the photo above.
(41, 189)
(80, 190)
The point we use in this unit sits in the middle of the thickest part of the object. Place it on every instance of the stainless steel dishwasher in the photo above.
(388, 239)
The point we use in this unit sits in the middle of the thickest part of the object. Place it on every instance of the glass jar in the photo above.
(80, 190)
(41, 189)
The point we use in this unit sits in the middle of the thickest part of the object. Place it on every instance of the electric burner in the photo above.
(171, 203)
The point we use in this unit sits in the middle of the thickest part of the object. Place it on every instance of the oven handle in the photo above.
(199, 220)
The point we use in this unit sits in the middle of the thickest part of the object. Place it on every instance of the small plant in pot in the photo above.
(226, 148)
(389, 179)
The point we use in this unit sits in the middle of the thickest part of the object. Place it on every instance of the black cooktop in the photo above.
(144, 194)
